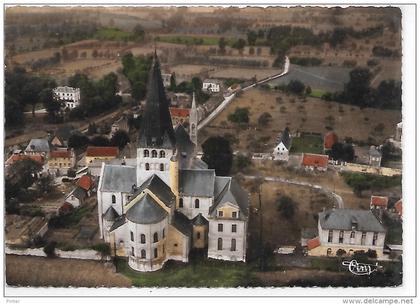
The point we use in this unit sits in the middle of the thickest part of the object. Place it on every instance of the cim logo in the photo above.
(360, 268)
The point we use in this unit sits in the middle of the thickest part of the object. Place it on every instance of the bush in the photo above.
(286, 207)
(305, 61)
(296, 86)
(264, 119)
(241, 115)
(341, 252)
(103, 248)
(49, 249)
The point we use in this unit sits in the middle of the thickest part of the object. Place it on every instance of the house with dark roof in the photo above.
(281, 151)
(38, 147)
(168, 201)
(76, 197)
(348, 230)
(375, 156)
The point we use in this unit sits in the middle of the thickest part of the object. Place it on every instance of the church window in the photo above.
(154, 154)
(233, 245)
(147, 166)
(341, 237)
(220, 213)
(375, 239)
(329, 251)
(352, 234)
(163, 233)
(162, 154)
(155, 237)
(220, 227)
(181, 203)
(132, 251)
(219, 244)
(142, 238)
(143, 253)
(233, 228)
(132, 236)
(330, 236)
(198, 235)
(234, 215)
(114, 199)
(155, 252)
(145, 153)
(197, 204)
(162, 167)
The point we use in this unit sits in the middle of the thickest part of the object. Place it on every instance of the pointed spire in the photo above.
(193, 105)
(193, 122)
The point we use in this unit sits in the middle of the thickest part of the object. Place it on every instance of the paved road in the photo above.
(337, 198)
(229, 98)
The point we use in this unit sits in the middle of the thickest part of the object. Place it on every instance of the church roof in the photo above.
(184, 146)
(146, 211)
(157, 130)
(182, 223)
(197, 182)
(285, 138)
(118, 178)
(199, 220)
(159, 188)
(232, 193)
(110, 214)
(117, 223)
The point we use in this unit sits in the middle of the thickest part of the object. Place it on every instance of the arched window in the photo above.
(145, 153)
(114, 199)
(329, 251)
(233, 245)
(197, 204)
(181, 203)
(142, 238)
(155, 237)
(162, 167)
(155, 250)
(162, 154)
(163, 233)
(352, 234)
(132, 236)
(132, 251)
(143, 253)
(198, 235)
(154, 153)
(219, 244)
(147, 166)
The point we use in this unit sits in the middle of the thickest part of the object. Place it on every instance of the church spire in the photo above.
(157, 130)
(193, 121)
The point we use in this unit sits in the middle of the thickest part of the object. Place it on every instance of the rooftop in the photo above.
(350, 219)
(102, 151)
(118, 178)
(315, 160)
(146, 211)
(379, 201)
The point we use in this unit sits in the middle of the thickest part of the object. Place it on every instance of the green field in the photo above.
(193, 40)
(317, 93)
(197, 273)
(113, 34)
(307, 144)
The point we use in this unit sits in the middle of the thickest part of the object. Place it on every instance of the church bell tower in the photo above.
(193, 122)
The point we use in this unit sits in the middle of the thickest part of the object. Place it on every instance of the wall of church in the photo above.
(189, 208)
(178, 245)
(224, 243)
(106, 200)
(199, 237)
(153, 161)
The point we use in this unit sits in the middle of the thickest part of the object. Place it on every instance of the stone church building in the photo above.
(170, 202)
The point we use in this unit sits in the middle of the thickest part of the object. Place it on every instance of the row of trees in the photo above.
(136, 69)
(81, 141)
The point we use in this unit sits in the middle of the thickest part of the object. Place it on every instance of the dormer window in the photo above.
(234, 215)
(162, 154)
(154, 154)
(220, 213)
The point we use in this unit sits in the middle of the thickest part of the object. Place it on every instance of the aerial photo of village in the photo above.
(203, 146)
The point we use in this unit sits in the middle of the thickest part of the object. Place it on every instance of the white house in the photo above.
(281, 151)
(347, 230)
(211, 85)
(375, 156)
(69, 95)
(168, 202)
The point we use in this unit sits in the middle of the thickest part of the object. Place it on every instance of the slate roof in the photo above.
(342, 219)
(77, 192)
(157, 130)
(199, 220)
(374, 152)
(233, 193)
(197, 182)
(286, 139)
(159, 188)
(118, 178)
(110, 214)
(197, 163)
(184, 146)
(146, 211)
(38, 145)
(182, 223)
(118, 223)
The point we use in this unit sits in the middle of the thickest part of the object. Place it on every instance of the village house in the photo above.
(179, 115)
(169, 202)
(330, 139)
(76, 197)
(347, 230)
(19, 155)
(166, 79)
(375, 156)
(61, 136)
(87, 183)
(378, 202)
(68, 95)
(281, 151)
(212, 85)
(314, 161)
(120, 124)
(61, 160)
(38, 147)
(101, 153)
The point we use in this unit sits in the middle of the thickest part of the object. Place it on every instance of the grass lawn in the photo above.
(307, 144)
(193, 40)
(196, 273)
(317, 93)
(112, 34)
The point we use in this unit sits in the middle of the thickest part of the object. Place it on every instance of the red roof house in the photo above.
(398, 207)
(102, 151)
(315, 161)
(313, 243)
(330, 139)
(85, 182)
(60, 154)
(377, 202)
(18, 157)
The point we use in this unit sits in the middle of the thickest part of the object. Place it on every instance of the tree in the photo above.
(120, 139)
(77, 141)
(264, 119)
(252, 38)
(388, 95)
(99, 141)
(24, 173)
(357, 91)
(49, 249)
(286, 207)
(296, 86)
(217, 153)
(340, 252)
(241, 115)
(45, 184)
(54, 107)
(138, 33)
(222, 45)
(172, 87)
(342, 151)
(240, 45)
(13, 111)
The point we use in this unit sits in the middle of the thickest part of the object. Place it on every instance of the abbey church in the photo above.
(170, 202)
